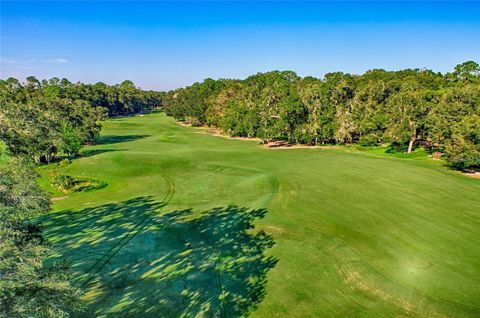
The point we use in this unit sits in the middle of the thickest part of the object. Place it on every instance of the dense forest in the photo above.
(43, 119)
(404, 109)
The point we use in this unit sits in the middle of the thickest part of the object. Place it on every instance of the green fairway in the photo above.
(195, 225)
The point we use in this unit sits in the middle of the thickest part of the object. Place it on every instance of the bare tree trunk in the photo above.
(412, 142)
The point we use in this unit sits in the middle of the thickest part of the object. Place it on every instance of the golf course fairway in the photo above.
(195, 225)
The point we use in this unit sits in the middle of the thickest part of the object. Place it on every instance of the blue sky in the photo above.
(164, 45)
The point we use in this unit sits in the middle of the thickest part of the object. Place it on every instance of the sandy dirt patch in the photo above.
(59, 198)
(473, 174)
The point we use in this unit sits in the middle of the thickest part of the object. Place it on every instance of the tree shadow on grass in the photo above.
(134, 261)
(92, 152)
(114, 139)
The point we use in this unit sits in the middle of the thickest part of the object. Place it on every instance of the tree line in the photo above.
(43, 119)
(40, 120)
(404, 109)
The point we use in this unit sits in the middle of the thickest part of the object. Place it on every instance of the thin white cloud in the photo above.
(57, 61)
(52, 61)
(7, 60)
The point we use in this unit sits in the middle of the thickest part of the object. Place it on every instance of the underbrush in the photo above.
(69, 184)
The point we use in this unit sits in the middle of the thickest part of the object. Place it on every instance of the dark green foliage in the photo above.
(72, 141)
(406, 109)
(122, 99)
(28, 288)
(368, 140)
(191, 105)
(38, 124)
(463, 151)
(41, 120)
(467, 70)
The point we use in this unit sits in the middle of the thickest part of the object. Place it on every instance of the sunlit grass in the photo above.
(350, 233)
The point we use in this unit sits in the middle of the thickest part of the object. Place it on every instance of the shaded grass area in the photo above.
(212, 265)
(113, 139)
(387, 151)
(357, 234)
(94, 152)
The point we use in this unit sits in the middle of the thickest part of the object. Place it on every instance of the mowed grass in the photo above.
(345, 233)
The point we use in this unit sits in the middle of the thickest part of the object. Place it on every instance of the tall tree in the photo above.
(407, 110)
(28, 287)
(467, 70)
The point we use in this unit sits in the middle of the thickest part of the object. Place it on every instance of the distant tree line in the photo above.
(404, 109)
(42, 119)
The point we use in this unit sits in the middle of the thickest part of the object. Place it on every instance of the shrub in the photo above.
(397, 147)
(68, 184)
(464, 156)
(463, 152)
(368, 140)
(64, 182)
